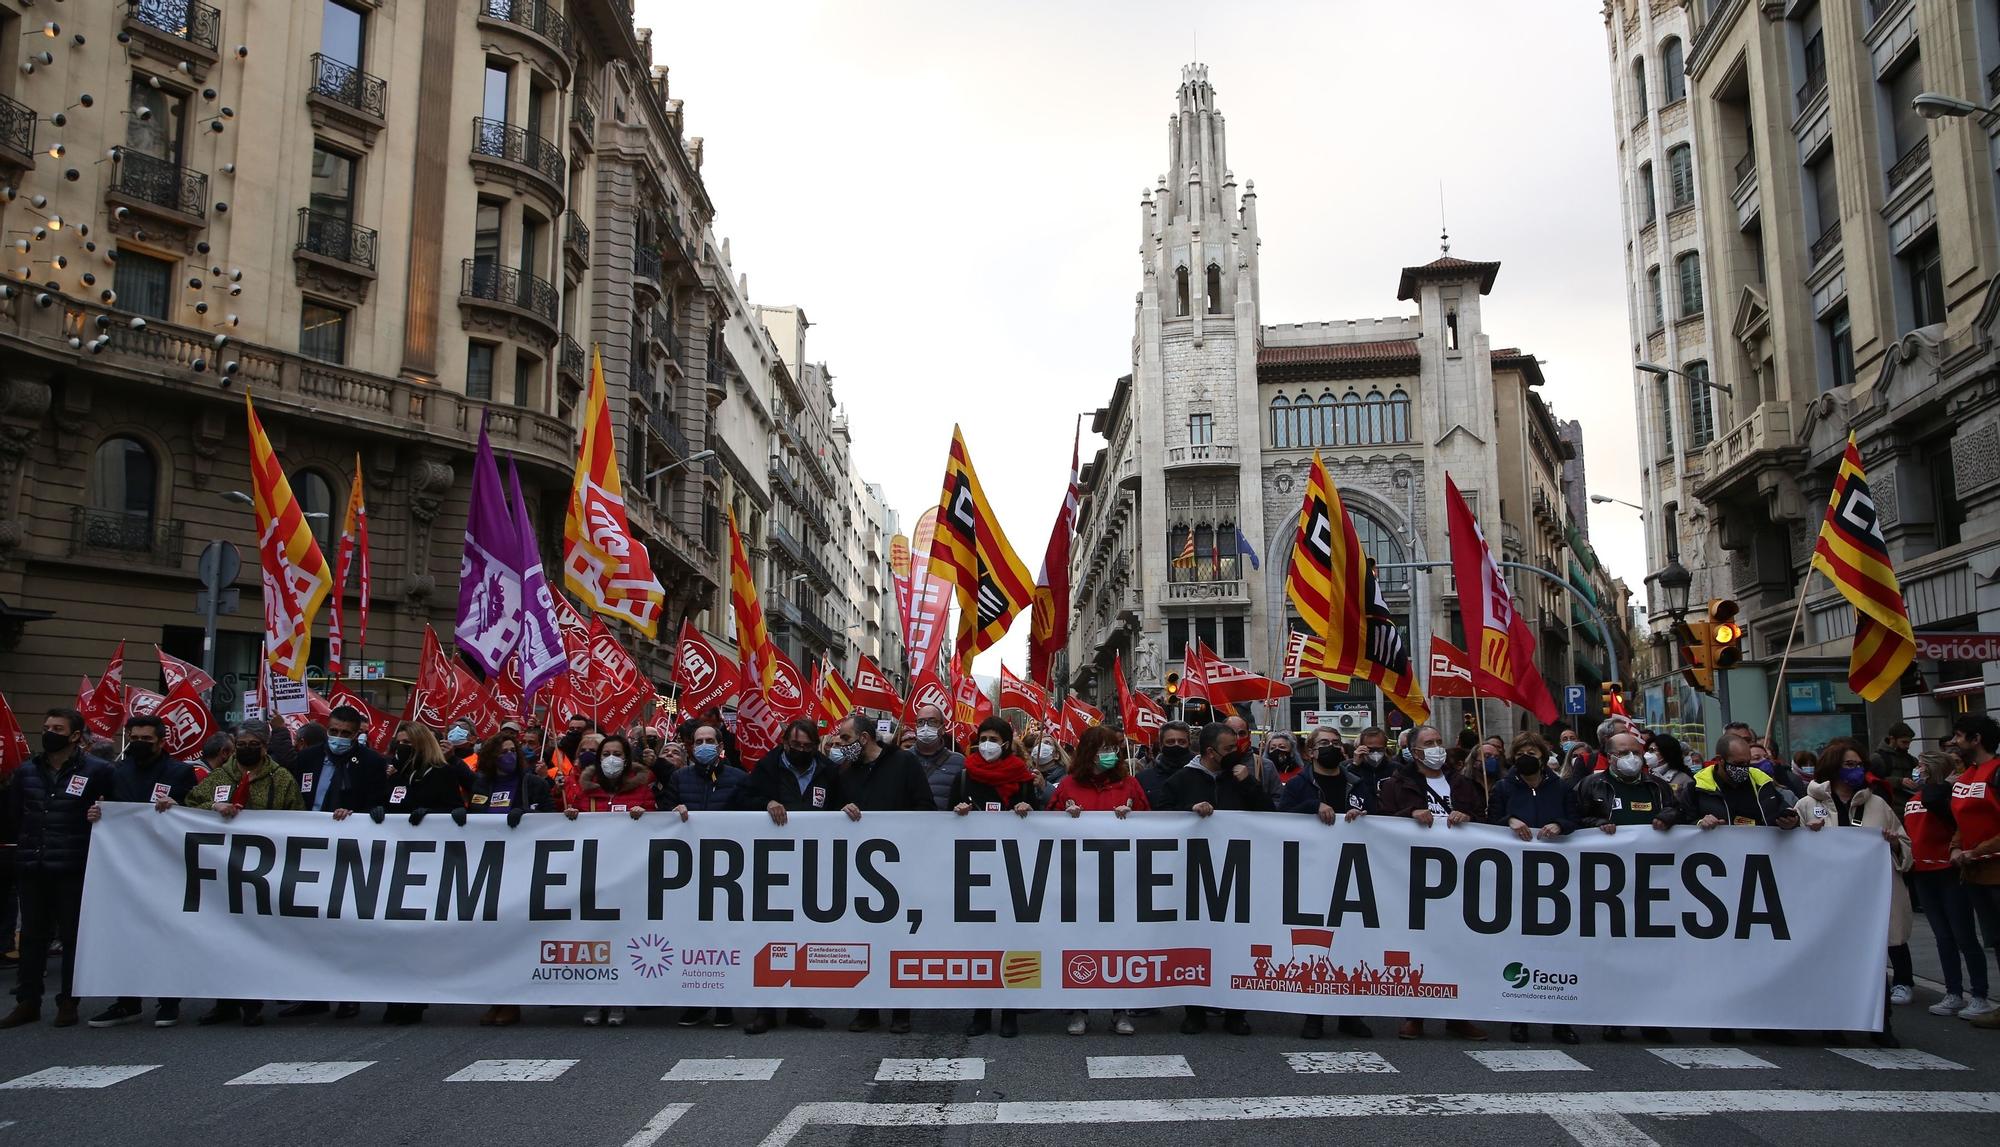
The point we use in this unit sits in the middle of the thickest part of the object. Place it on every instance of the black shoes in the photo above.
(1565, 1034)
(1313, 1028)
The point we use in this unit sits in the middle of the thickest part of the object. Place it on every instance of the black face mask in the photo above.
(799, 758)
(1329, 757)
(54, 742)
(1174, 756)
(404, 753)
(143, 752)
(570, 742)
(1527, 764)
(249, 758)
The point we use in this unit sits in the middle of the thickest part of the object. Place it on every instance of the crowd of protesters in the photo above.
(1938, 812)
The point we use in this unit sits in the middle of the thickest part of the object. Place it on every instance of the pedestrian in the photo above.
(1841, 797)
(1176, 750)
(1047, 756)
(1370, 765)
(1325, 788)
(1975, 808)
(1780, 770)
(1629, 793)
(1940, 892)
(613, 783)
(1285, 764)
(421, 782)
(796, 777)
(214, 751)
(1731, 792)
(1220, 778)
(941, 764)
(145, 775)
(46, 819)
(1666, 760)
(1892, 762)
(1100, 779)
(1539, 806)
(249, 779)
(497, 782)
(878, 777)
(709, 783)
(995, 779)
(1423, 791)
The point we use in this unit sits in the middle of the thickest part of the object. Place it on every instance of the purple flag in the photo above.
(543, 658)
(489, 586)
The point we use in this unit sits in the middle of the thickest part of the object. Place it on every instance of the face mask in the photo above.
(844, 754)
(340, 746)
(1736, 774)
(1628, 765)
(509, 762)
(1328, 757)
(991, 750)
(1807, 771)
(404, 753)
(1527, 764)
(142, 752)
(1652, 760)
(458, 735)
(1434, 757)
(1854, 777)
(1493, 766)
(54, 742)
(799, 758)
(611, 767)
(569, 744)
(249, 757)
(1174, 756)
(1044, 753)
(531, 753)
(705, 754)
(1107, 761)
(927, 735)
(1569, 747)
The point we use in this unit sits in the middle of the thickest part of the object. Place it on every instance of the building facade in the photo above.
(1187, 519)
(1853, 275)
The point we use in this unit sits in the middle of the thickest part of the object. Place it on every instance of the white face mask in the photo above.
(928, 734)
(1652, 760)
(1628, 765)
(1044, 753)
(1434, 757)
(612, 767)
(991, 750)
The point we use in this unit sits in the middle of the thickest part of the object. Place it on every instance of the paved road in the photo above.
(552, 1080)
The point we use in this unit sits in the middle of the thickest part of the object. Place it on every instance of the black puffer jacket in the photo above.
(45, 810)
(690, 785)
(135, 783)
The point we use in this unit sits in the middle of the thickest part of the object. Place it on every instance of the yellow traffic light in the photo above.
(1173, 684)
(1725, 633)
(1697, 666)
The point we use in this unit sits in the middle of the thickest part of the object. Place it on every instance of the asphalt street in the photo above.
(553, 1080)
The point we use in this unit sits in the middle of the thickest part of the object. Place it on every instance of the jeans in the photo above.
(1901, 973)
(1949, 911)
(51, 905)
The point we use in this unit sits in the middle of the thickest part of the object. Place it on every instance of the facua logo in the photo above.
(574, 960)
(1526, 980)
(651, 956)
(1517, 974)
(1155, 968)
(965, 969)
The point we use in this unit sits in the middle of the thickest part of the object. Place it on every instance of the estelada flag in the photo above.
(1503, 653)
(1305, 656)
(296, 579)
(1851, 553)
(353, 547)
(753, 637)
(602, 562)
(14, 751)
(1386, 660)
(1451, 670)
(970, 551)
(1326, 579)
(1025, 696)
(704, 677)
(1142, 715)
(871, 689)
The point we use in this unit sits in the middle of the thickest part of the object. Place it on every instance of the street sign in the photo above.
(219, 564)
(1349, 717)
(232, 598)
(367, 670)
(1573, 696)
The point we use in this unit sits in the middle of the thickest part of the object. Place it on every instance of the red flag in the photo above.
(927, 689)
(787, 693)
(829, 701)
(173, 671)
(1142, 715)
(142, 702)
(189, 723)
(759, 727)
(1051, 607)
(614, 689)
(1026, 696)
(1500, 641)
(871, 689)
(104, 713)
(1194, 675)
(575, 634)
(966, 696)
(1225, 684)
(1077, 715)
(380, 722)
(507, 690)
(353, 545)
(1451, 670)
(14, 751)
(435, 695)
(704, 678)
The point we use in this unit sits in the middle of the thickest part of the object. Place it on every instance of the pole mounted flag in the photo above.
(970, 551)
(353, 545)
(1051, 612)
(871, 689)
(296, 580)
(1386, 660)
(1502, 645)
(1142, 715)
(602, 562)
(1326, 581)
(489, 584)
(542, 657)
(1851, 553)
(753, 637)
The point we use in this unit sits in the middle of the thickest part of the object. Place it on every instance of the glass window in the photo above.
(1673, 70)
(1180, 290)
(1666, 393)
(1653, 296)
(526, 373)
(1924, 265)
(1399, 415)
(1177, 637)
(1639, 87)
(1201, 429)
(1687, 268)
(1649, 204)
(1316, 427)
(1232, 638)
(124, 479)
(1281, 422)
(493, 102)
(1701, 405)
(1680, 173)
(1214, 289)
(1900, 89)
(1840, 350)
(1180, 561)
(144, 284)
(1947, 508)
(332, 192)
(1350, 419)
(323, 332)
(1204, 631)
(479, 371)
(486, 235)
(315, 496)
(341, 31)
(1375, 420)
(153, 121)
(1825, 194)
(1380, 543)
(532, 229)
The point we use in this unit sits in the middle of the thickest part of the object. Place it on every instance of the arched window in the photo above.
(1639, 88)
(1214, 289)
(1226, 567)
(1399, 415)
(1281, 423)
(1376, 423)
(1178, 568)
(1673, 73)
(1180, 290)
(1324, 419)
(124, 480)
(1379, 543)
(1350, 419)
(315, 497)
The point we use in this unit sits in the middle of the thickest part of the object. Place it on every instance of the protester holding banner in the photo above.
(1100, 778)
(341, 774)
(934, 752)
(500, 783)
(248, 780)
(995, 780)
(1422, 790)
(1842, 797)
(145, 775)
(421, 781)
(1732, 792)
(875, 777)
(614, 783)
(1219, 778)
(46, 818)
(1176, 750)
(794, 778)
(709, 783)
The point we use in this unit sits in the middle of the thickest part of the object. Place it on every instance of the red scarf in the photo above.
(1004, 776)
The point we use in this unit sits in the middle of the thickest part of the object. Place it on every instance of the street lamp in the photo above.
(690, 460)
(1932, 105)
(240, 496)
(1675, 581)
(1665, 371)
(1602, 499)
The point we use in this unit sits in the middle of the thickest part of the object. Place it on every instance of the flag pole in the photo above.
(1778, 690)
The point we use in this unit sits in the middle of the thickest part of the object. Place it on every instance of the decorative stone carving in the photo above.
(1975, 459)
(1887, 512)
(430, 481)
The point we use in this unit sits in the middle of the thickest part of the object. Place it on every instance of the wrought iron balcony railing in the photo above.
(328, 235)
(1826, 244)
(502, 140)
(533, 15)
(576, 237)
(161, 183)
(123, 532)
(346, 84)
(1910, 162)
(189, 20)
(497, 284)
(17, 125)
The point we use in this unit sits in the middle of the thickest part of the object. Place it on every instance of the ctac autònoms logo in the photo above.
(1525, 981)
(574, 960)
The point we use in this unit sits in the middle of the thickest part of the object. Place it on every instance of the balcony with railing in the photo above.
(572, 363)
(119, 534)
(1746, 168)
(1197, 457)
(1228, 591)
(1828, 242)
(159, 188)
(17, 135)
(534, 27)
(787, 482)
(1815, 83)
(345, 97)
(176, 31)
(334, 256)
(576, 242)
(817, 629)
(718, 390)
(789, 542)
(519, 158)
(1910, 163)
(1993, 84)
(507, 301)
(583, 124)
(669, 434)
(646, 270)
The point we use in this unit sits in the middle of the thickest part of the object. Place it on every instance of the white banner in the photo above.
(1259, 911)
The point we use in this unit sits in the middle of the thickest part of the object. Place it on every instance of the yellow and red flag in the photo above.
(831, 701)
(1327, 578)
(296, 579)
(1500, 640)
(353, 546)
(1386, 660)
(1853, 556)
(1185, 559)
(753, 637)
(602, 562)
(970, 552)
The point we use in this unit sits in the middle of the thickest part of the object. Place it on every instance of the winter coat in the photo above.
(1192, 785)
(941, 770)
(44, 812)
(1594, 796)
(1405, 791)
(1309, 790)
(1364, 781)
(894, 782)
(534, 794)
(588, 792)
(360, 783)
(272, 787)
(985, 798)
(437, 788)
(1553, 801)
(1099, 798)
(1153, 781)
(134, 783)
(1867, 810)
(1704, 797)
(774, 781)
(729, 790)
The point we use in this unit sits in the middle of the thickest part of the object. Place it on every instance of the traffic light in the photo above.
(1697, 668)
(1173, 685)
(1725, 634)
(1614, 698)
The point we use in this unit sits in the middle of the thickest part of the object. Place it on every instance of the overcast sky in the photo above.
(951, 191)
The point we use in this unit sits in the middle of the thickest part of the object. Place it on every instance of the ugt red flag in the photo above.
(189, 723)
(1502, 645)
(104, 712)
(704, 678)
(174, 671)
(927, 689)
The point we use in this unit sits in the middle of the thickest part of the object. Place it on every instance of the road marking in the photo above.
(657, 1127)
(714, 1070)
(1337, 1062)
(1138, 1067)
(1897, 1059)
(1551, 1103)
(1604, 1129)
(1526, 1061)
(64, 1078)
(930, 1070)
(511, 1071)
(1691, 1057)
(330, 1071)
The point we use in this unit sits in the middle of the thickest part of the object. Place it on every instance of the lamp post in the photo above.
(1666, 371)
(701, 456)
(1932, 105)
(1675, 581)
(1603, 499)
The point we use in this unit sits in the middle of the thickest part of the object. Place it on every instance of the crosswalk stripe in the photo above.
(511, 1071)
(1337, 1062)
(1526, 1061)
(1709, 1057)
(1138, 1067)
(657, 1127)
(1604, 1129)
(328, 1071)
(930, 1070)
(1897, 1059)
(716, 1070)
(64, 1078)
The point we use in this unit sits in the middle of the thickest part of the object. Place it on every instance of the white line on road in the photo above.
(1604, 1129)
(63, 1078)
(930, 1070)
(1897, 1059)
(1338, 1062)
(511, 1071)
(657, 1127)
(1138, 1067)
(714, 1070)
(1526, 1061)
(1656, 1103)
(330, 1071)
(1709, 1057)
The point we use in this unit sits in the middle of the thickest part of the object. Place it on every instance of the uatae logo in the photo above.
(1539, 983)
(650, 955)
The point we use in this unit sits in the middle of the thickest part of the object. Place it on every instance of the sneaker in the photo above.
(1121, 1025)
(1078, 1023)
(691, 1017)
(615, 1017)
(117, 1015)
(592, 1017)
(1949, 1006)
(167, 1014)
(1974, 1008)
(1902, 994)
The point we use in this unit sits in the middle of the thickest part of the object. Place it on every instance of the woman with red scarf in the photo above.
(995, 780)
(1100, 780)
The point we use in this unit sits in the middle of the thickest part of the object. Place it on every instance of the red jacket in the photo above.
(585, 791)
(1930, 836)
(1098, 798)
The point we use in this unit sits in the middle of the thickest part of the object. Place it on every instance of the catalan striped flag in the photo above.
(1386, 660)
(1853, 556)
(1327, 581)
(753, 638)
(969, 551)
(1185, 559)
(831, 699)
(296, 578)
